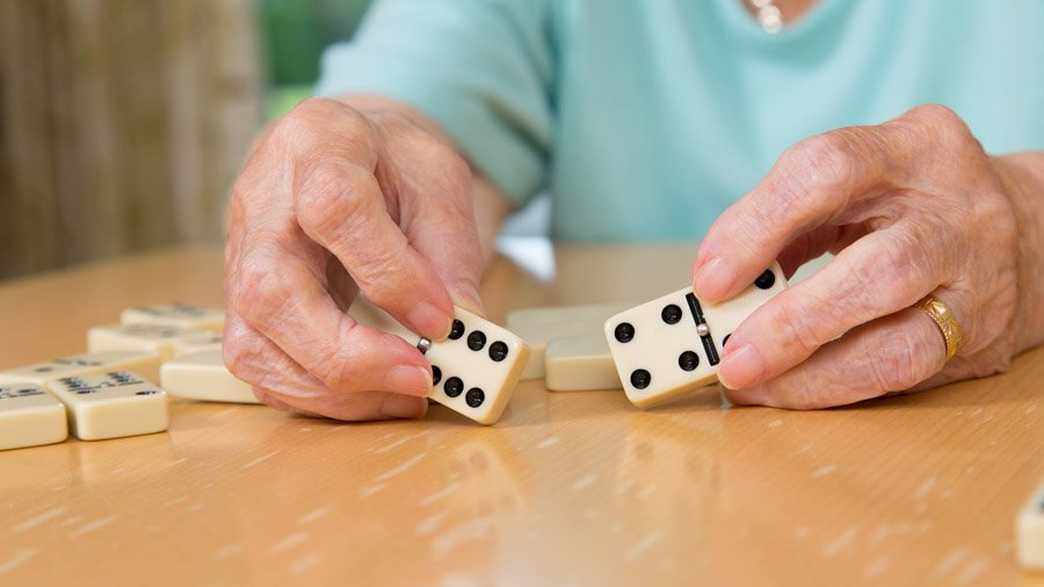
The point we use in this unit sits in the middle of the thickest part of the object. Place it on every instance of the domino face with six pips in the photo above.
(476, 369)
(673, 344)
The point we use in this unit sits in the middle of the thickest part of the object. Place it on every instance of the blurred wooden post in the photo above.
(122, 124)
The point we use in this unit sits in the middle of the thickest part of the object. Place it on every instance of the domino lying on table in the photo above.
(656, 348)
(107, 393)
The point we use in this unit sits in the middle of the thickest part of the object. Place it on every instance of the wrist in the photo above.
(1023, 178)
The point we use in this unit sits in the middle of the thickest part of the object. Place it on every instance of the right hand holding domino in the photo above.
(335, 201)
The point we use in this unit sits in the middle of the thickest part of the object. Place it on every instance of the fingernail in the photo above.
(426, 319)
(714, 279)
(415, 381)
(741, 368)
(403, 406)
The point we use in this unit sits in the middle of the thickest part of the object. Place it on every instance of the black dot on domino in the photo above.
(671, 314)
(498, 351)
(688, 361)
(436, 375)
(624, 332)
(766, 280)
(640, 378)
(476, 340)
(457, 330)
(475, 397)
(453, 387)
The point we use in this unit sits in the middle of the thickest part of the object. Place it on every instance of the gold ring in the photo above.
(944, 319)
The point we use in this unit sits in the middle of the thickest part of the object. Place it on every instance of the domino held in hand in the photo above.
(476, 369)
(672, 345)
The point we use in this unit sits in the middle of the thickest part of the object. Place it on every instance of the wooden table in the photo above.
(568, 489)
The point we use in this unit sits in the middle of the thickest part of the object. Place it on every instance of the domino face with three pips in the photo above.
(673, 344)
(475, 370)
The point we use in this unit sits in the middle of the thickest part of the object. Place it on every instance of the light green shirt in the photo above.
(646, 118)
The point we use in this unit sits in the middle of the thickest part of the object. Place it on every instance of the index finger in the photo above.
(812, 183)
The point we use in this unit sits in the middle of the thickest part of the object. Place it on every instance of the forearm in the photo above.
(1024, 175)
(492, 206)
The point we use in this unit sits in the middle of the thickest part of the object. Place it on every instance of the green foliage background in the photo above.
(294, 34)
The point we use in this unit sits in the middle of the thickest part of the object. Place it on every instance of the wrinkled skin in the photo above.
(366, 195)
(911, 207)
(335, 200)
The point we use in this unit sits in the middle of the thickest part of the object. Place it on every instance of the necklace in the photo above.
(768, 15)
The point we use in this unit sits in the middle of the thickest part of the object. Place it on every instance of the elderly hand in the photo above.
(911, 207)
(334, 200)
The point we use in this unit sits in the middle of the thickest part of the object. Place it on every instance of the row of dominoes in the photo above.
(655, 351)
(111, 391)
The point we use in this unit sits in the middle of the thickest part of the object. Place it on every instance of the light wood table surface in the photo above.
(568, 489)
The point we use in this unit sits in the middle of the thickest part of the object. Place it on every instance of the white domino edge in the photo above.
(580, 363)
(147, 338)
(185, 316)
(538, 326)
(30, 416)
(112, 405)
(203, 376)
(143, 363)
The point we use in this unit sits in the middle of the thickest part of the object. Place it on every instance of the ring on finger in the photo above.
(943, 317)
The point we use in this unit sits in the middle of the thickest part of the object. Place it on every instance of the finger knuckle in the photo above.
(898, 363)
(335, 362)
(455, 171)
(384, 276)
(798, 330)
(826, 161)
(896, 278)
(307, 126)
(945, 126)
(446, 169)
(332, 196)
(239, 352)
(937, 115)
(303, 121)
(801, 391)
(320, 107)
(260, 292)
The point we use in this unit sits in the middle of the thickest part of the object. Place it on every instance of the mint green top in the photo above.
(646, 118)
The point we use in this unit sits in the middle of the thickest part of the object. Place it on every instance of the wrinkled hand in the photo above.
(331, 202)
(910, 207)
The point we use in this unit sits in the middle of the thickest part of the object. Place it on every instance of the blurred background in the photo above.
(124, 122)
